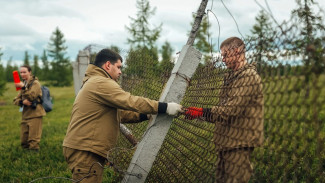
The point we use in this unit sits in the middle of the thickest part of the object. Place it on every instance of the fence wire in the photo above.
(288, 112)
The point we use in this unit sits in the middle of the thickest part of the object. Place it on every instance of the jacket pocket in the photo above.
(91, 174)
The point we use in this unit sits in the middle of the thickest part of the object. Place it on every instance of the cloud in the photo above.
(43, 8)
(28, 25)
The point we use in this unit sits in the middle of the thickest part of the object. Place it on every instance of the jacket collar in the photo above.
(230, 76)
(32, 78)
(93, 70)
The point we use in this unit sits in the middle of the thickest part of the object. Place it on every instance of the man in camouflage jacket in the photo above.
(238, 117)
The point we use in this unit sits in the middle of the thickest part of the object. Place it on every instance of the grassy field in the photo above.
(18, 165)
(293, 150)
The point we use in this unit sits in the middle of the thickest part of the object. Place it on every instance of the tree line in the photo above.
(54, 67)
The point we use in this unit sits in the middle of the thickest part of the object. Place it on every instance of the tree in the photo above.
(2, 76)
(115, 48)
(36, 68)
(143, 40)
(311, 23)
(61, 72)
(166, 65)
(261, 41)
(142, 35)
(26, 58)
(311, 45)
(140, 63)
(9, 70)
(46, 68)
(201, 41)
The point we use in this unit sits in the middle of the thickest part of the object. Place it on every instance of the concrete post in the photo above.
(174, 91)
(79, 69)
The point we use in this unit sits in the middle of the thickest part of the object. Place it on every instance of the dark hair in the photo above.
(28, 67)
(232, 42)
(107, 55)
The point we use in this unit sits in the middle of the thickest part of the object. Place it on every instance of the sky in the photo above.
(27, 25)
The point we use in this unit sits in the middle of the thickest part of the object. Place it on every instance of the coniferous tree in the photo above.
(142, 35)
(311, 43)
(61, 71)
(115, 48)
(202, 42)
(46, 68)
(36, 68)
(26, 58)
(2, 76)
(166, 64)
(142, 40)
(262, 40)
(9, 70)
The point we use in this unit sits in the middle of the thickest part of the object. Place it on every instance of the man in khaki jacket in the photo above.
(100, 106)
(32, 110)
(238, 117)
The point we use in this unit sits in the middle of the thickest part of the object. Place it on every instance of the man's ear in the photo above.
(107, 65)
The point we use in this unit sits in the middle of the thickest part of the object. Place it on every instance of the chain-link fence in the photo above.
(281, 101)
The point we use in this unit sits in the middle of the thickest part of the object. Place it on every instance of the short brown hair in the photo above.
(233, 42)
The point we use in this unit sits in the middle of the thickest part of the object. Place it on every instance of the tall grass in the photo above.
(19, 165)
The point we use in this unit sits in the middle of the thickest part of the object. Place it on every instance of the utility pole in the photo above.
(174, 91)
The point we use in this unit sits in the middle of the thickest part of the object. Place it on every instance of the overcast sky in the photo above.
(28, 24)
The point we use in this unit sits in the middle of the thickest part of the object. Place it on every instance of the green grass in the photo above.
(294, 135)
(18, 165)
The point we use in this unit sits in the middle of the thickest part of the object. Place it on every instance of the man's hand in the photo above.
(27, 102)
(193, 113)
(173, 108)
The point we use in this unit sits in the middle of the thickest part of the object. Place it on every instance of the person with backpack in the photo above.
(29, 99)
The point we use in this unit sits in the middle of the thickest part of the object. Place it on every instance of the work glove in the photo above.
(193, 113)
(173, 108)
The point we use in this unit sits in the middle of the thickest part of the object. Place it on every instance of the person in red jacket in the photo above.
(238, 116)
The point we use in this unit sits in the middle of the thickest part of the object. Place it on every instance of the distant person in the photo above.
(99, 108)
(238, 117)
(29, 99)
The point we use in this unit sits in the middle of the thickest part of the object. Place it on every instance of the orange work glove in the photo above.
(193, 112)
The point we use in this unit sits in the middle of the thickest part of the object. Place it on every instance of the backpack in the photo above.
(46, 99)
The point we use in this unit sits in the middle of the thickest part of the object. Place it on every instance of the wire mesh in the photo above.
(292, 75)
(225, 142)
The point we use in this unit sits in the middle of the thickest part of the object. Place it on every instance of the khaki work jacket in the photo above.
(99, 108)
(32, 92)
(239, 116)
